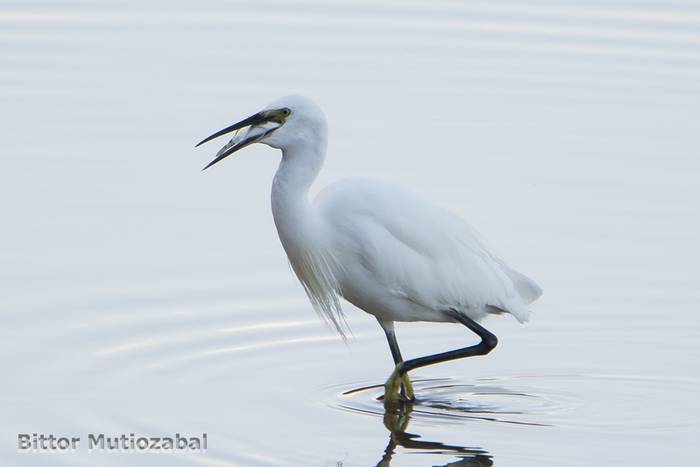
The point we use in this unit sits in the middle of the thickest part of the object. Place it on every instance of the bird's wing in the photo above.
(419, 251)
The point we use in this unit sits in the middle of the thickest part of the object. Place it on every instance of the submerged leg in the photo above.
(406, 386)
(487, 344)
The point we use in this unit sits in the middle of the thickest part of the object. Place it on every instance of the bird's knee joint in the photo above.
(489, 342)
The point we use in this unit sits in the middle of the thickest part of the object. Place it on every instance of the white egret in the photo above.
(387, 252)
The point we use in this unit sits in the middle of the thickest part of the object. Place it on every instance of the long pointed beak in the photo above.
(252, 120)
(253, 135)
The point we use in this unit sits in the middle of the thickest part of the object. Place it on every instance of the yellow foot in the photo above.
(393, 395)
(392, 386)
(408, 388)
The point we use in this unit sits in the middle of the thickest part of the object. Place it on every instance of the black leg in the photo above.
(395, 351)
(393, 344)
(487, 344)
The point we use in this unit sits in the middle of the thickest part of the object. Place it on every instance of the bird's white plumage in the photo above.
(388, 252)
(415, 259)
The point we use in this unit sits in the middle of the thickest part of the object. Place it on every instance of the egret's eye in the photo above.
(286, 112)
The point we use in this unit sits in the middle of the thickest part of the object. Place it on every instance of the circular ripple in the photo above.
(580, 401)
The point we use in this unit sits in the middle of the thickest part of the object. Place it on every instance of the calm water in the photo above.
(142, 295)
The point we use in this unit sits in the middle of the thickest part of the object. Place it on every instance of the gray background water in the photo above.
(142, 295)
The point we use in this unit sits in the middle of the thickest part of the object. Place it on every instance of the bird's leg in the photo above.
(392, 395)
(392, 384)
(487, 344)
(407, 387)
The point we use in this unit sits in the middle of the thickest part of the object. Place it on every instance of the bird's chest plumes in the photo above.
(301, 235)
(316, 270)
(307, 250)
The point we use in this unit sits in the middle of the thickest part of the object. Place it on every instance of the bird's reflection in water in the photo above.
(396, 421)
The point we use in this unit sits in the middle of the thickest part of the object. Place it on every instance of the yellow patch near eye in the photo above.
(278, 115)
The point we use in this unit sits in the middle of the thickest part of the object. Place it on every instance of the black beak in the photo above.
(260, 117)
(252, 120)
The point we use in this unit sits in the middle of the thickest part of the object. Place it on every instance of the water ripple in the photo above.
(573, 401)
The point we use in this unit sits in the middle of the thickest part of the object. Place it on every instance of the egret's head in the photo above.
(286, 122)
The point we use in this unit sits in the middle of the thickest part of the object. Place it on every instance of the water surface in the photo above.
(141, 295)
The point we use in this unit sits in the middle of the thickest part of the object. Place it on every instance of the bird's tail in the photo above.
(528, 291)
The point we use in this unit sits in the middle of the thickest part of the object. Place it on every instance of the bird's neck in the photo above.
(294, 218)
